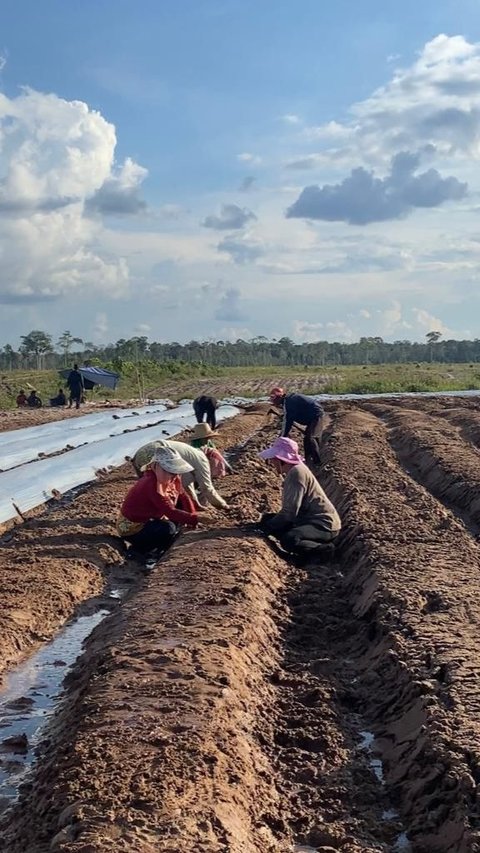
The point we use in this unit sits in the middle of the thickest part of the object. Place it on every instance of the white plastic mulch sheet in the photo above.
(25, 445)
(30, 485)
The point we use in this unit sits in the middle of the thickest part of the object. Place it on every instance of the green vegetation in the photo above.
(177, 379)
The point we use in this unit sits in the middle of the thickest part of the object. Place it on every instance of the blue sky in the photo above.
(231, 168)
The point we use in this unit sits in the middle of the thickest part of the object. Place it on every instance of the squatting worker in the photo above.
(200, 472)
(299, 409)
(157, 504)
(308, 520)
(205, 407)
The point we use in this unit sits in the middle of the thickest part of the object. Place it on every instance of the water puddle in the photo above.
(31, 696)
(401, 844)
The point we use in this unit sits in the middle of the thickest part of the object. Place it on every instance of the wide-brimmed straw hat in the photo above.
(203, 430)
(285, 449)
(169, 460)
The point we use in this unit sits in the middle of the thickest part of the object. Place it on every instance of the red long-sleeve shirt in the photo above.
(143, 503)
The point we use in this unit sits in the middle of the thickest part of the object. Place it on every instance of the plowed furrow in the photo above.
(413, 574)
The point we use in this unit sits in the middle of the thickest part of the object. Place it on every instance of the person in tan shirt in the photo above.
(308, 520)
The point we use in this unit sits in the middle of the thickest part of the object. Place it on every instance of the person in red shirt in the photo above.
(22, 400)
(156, 505)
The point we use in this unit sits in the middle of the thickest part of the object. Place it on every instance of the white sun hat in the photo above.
(170, 461)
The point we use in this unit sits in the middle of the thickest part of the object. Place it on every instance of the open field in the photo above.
(255, 381)
(234, 702)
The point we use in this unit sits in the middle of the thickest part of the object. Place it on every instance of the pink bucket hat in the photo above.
(285, 449)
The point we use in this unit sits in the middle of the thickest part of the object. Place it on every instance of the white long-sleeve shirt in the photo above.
(207, 493)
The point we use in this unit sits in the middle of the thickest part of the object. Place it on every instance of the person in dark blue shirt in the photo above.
(299, 409)
(76, 386)
(206, 405)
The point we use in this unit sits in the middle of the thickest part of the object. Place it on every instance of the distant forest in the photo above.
(38, 350)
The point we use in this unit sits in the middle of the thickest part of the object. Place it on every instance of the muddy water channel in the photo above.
(33, 693)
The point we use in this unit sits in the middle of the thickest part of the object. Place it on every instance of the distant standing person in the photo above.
(34, 400)
(75, 383)
(206, 406)
(299, 409)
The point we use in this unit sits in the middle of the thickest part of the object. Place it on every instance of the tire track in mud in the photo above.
(412, 574)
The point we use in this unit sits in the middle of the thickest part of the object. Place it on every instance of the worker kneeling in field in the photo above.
(201, 468)
(157, 505)
(299, 409)
(308, 521)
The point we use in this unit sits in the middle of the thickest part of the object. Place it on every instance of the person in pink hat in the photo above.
(308, 521)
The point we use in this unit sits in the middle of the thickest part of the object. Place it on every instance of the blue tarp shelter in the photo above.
(95, 376)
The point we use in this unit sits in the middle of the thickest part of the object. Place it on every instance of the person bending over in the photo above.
(307, 521)
(206, 406)
(200, 473)
(156, 505)
(299, 409)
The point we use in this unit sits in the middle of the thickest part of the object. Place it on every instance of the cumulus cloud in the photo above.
(306, 332)
(247, 183)
(55, 155)
(362, 197)
(229, 308)
(248, 157)
(241, 250)
(120, 194)
(434, 101)
(100, 327)
(231, 218)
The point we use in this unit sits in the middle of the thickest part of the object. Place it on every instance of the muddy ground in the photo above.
(236, 702)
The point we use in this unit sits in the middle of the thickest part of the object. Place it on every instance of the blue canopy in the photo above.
(95, 376)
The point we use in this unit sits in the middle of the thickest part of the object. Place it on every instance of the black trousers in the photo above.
(75, 397)
(205, 408)
(156, 534)
(312, 441)
(299, 539)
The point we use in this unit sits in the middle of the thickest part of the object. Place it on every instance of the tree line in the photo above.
(37, 349)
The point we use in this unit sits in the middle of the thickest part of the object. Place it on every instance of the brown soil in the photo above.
(220, 708)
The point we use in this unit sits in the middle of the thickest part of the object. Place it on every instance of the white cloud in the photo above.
(365, 314)
(231, 218)
(306, 332)
(248, 157)
(55, 155)
(119, 194)
(291, 118)
(429, 323)
(362, 197)
(234, 333)
(143, 328)
(242, 250)
(433, 102)
(229, 307)
(100, 327)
